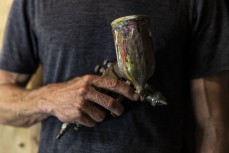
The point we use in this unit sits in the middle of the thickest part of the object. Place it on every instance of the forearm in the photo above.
(19, 107)
(214, 138)
(71, 102)
(211, 107)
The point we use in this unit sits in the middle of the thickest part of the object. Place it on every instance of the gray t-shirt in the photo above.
(70, 37)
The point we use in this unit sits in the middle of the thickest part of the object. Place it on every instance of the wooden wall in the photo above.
(17, 140)
(4, 9)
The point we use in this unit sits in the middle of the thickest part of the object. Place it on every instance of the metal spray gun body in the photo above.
(135, 60)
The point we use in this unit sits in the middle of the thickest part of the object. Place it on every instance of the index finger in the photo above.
(115, 85)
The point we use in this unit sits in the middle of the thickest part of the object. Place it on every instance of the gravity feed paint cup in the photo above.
(134, 49)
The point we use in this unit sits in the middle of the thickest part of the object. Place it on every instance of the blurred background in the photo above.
(18, 140)
(4, 9)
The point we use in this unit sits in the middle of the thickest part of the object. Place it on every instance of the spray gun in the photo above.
(135, 55)
(135, 61)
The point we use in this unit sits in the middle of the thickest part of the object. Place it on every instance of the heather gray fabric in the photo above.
(70, 37)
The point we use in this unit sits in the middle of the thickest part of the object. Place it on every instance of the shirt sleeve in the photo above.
(19, 51)
(209, 44)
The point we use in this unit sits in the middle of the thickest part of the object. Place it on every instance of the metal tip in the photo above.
(105, 62)
(77, 127)
(63, 129)
(59, 135)
(97, 67)
(162, 102)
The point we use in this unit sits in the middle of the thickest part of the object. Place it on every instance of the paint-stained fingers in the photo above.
(105, 101)
(112, 84)
(93, 111)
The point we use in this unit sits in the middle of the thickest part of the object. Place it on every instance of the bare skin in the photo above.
(71, 101)
(211, 107)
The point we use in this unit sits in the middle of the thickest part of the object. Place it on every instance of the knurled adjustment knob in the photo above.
(106, 62)
(99, 69)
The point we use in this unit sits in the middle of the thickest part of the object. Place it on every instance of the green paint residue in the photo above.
(129, 19)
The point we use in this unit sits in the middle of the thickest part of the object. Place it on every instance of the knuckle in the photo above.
(88, 78)
(113, 83)
(81, 104)
(83, 91)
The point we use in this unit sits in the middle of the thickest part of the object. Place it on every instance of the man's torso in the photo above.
(74, 36)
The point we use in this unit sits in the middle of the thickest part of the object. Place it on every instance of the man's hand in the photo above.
(71, 102)
(74, 101)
